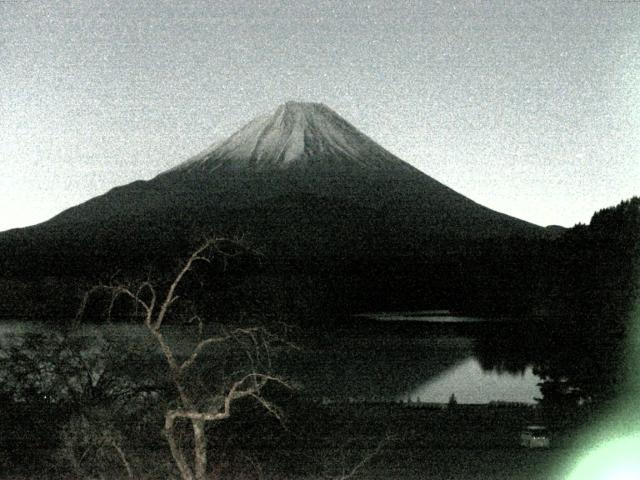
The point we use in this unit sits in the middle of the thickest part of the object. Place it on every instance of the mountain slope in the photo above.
(302, 182)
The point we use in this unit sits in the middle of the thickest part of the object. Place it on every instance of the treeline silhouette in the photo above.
(571, 290)
(579, 327)
(592, 292)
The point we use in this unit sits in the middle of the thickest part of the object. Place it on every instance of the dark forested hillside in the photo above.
(590, 292)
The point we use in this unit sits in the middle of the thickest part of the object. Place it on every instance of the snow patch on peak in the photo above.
(297, 135)
(293, 105)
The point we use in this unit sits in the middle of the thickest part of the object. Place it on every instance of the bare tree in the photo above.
(78, 384)
(346, 468)
(89, 447)
(195, 405)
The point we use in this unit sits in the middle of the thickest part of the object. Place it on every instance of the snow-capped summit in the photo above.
(296, 136)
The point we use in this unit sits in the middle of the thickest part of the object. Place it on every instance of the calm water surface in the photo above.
(427, 366)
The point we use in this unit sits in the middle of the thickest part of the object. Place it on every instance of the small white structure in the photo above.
(535, 436)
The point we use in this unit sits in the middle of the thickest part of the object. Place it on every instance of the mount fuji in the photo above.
(302, 183)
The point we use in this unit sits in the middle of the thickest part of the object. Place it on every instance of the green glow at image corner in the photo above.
(619, 459)
(615, 460)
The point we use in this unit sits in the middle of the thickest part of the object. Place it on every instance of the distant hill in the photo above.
(555, 230)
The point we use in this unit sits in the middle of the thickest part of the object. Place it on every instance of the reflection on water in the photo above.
(428, 316)
(383, 366)
(427, 365)
(470, 383)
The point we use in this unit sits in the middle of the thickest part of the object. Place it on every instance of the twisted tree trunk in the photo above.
(200, 449)
(176, 452)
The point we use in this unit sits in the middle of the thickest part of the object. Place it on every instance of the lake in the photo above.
(381, 364)
(436, 357)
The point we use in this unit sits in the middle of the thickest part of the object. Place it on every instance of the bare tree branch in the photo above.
(170, 298)
(255, 342)
(123, 458)
(348, 473)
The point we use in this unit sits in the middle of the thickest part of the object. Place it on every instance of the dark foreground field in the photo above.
(415, 442)
(398, 441)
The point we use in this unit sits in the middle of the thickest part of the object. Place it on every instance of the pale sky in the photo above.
(531, 108)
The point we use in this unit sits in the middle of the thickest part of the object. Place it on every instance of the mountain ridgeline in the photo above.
(334, 214)
(301, 183)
